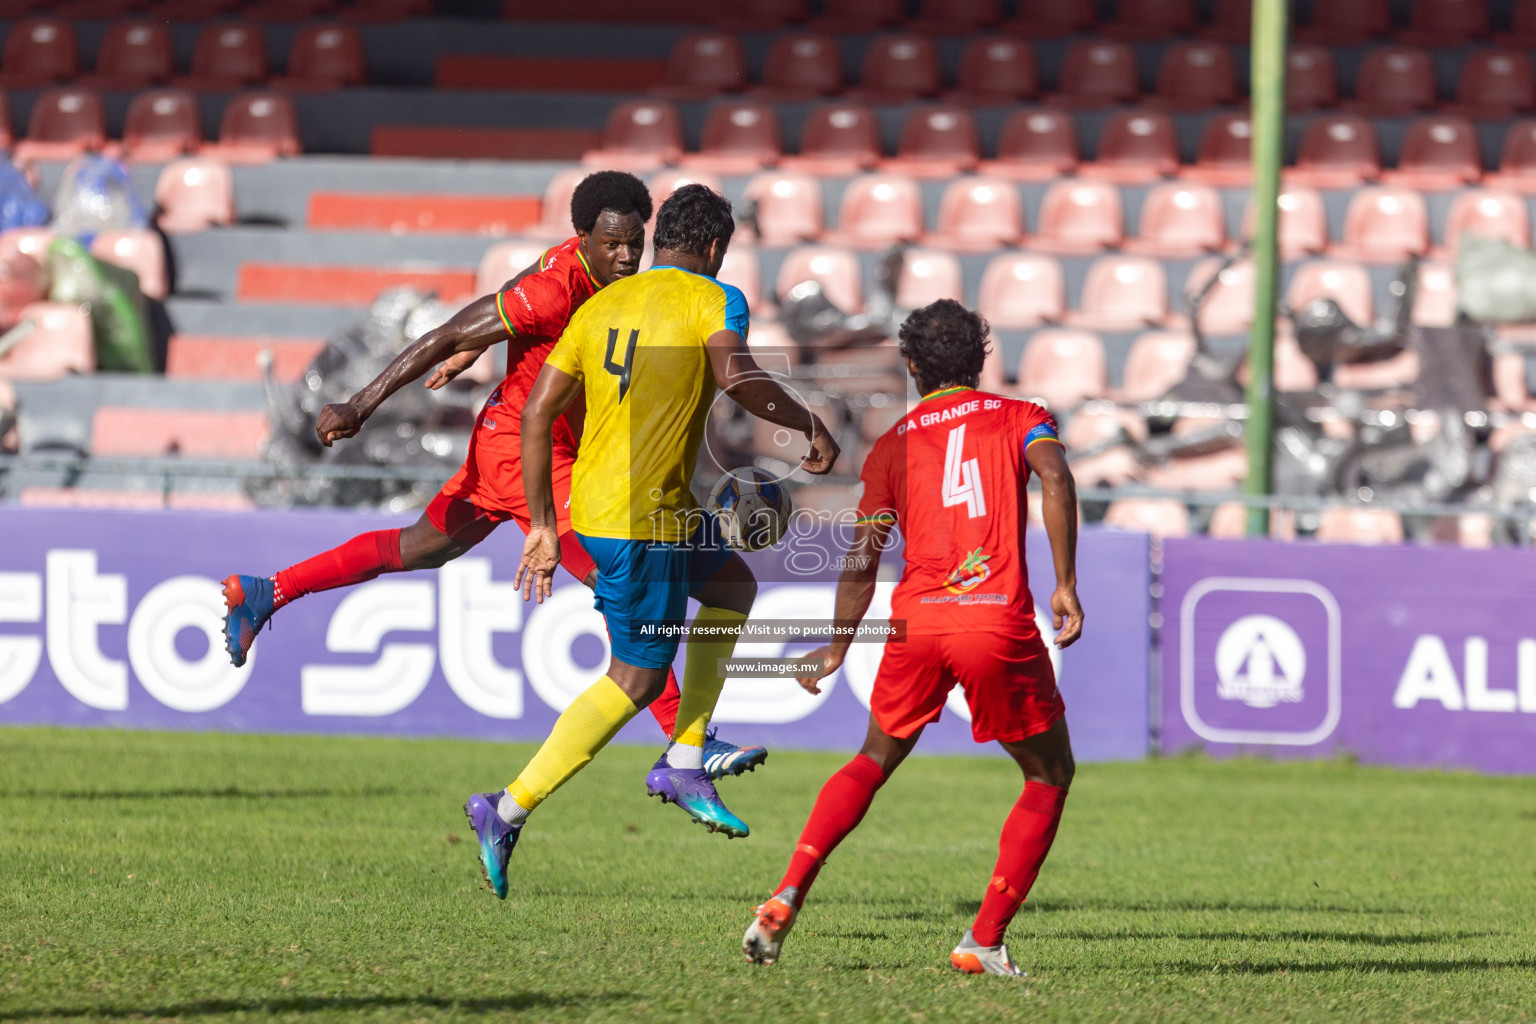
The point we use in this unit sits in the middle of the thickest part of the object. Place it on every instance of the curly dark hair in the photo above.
(946, 343)
(691, 218)
(608, 190)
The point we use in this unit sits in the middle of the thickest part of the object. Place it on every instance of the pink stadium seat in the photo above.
(1293, 370)
(836, 270)
(1303, 222)
(1336, 152)
(139, 250)
(639, 136)
(738, 138)
(704, 65)
(979, 215)
(1491, 213)
(742, 269)
(1351, 525)
(1446, 22)
(1098, 448)
(878, 210)
(1393, 81)
(1151, 19)
(1228, 306)
(194, 433)
(1194, 76)
(1097, 73)
(996, 70)
(1434, 301)
(504, 261)
(928, 275)
(1022, 289)
(59, 343)
(325, 56)
(1517, 161)
(1047, 21)
(64, 124)
(161, 125)
(837, 139)
(1035, 145)
(1438, 153)
(1383, 224)
(1080, 217)
(1510, 390)
(1180, 220)
(1122, 293)
(228, 55)
(1063, 367)
(257, 127)
(859, 16)
(1310, 79)
(936, 142)
(788, 207)
(1348, 284)
(31, 242)
(555, 211)
(1345, 24)
(194, 195)
(801, 66)
(1222, 470)
(133, 54)
(1157, 360)
(1230, 522)
(899, 69)
(38, 52)
(1231, 23)
(1160, 517)
(956, 17)
(1495, 84)
(1225, 153)
(1135, 147)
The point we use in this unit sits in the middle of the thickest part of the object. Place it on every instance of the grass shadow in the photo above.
(324, 1004)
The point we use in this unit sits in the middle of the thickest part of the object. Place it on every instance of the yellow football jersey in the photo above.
(638, 347)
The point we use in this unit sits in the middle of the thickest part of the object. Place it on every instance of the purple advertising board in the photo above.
(1400, 655)
(115, 618)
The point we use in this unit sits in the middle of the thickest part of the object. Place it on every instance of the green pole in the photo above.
(1268, 98)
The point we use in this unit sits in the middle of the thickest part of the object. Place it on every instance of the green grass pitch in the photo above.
(202, 877)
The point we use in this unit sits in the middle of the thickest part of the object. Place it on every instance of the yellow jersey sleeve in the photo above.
(566, 355)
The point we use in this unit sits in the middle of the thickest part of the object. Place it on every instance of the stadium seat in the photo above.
(1434, 301)
(1383, 224)
(1035, 145)
(39, 52)
(1495, 84)
(1446, 22)
(1293, 370)
(193, 433)
(1097, 73)
(139, 250)
(257, 127)
(1227, 309)
(878, 210)
(837, 139)
(31, 242)
(322, 57)
(161, 125)
(936, 142)
(64, 124)
(788, 206)
(1020, 290)
(1522, 26)
(1399, 371)
(193, 195)
(227, 56)
(192, 10)
(802, 66)
(6, 134)
(1517, 158)
(268, 11)
(1079, 217)
(898, 68)
(1099, 446)
(1063, 368)
(1151, 19)
(928, 275)
(504, 261)
(1180, 220)
(1511, 390)
(1222, 470)
(1230, 522)
(60, 342)
(996, 71)
(554, 222)
(1491, 213)
(1346, 24)
(1135, 147)
(1225, 152)
(663, 183)
(1047, 21)
(704, 65)
(1122, 293)
(761, 15)
(1231, 23)
(956, 17)
(639, 136)
(1156, 361)
(836, 270)
(738, 138)
(1160, 517)
(134, 54)
(1352, 525)
(856, 17)
(1393, 81)
(979, 215)
(1310, 79)
(1336, 152)
(95, 10)
(1303, 222)
(1194, 76)
(743, 269)
(1348, 284)
(1438, 153)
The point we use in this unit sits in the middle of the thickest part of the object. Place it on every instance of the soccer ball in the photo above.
(753, 508)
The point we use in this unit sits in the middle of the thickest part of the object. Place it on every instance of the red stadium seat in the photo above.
(1097, 73)
(1310, 79)
(854, 17)
(995, 71)
(134, 54)
(936, 142)
(1351, 525)
(1393, 81)
(1303, 222)
(504, 261)
(836, 270)
(324, 56)
(1488, 213)
(1035, 145)
(928, 275)
(664, 183)
(193, 433)
(1156, 361)
(1446, 22)
(1227, 309)
(788, 207)
(1344, 24)
(5, 123)
(1437, 153)
(1193, 76)
(192, 10)
(1495, 84)
(1434, 300)
(1517, 161)
(39, 52)
(1122, 293)
(1151, 19)
(742, 269)
(956, 17)
(257, 127)
(1230, 522)
(802, 66)
(762, 15)
(1231, 23)
(139, 250)
(704, 65)
(1348, 284)
(95, 10)
(639, 136)
(228, 55)
(1522, 26)
(193, 195)
(1063, 368)
(898, 69)
(1159, 517)
(878, 210)
(59, 343)
(1060, 18)
(1080, 217)
(1135, 147)
(979, 215)
(1180, 220)
(555, 211)
(1225, 152)
(738, 138)
(64, 124)
(1384, 225)
(1336, 152)
(1022, 289)
(161, 125)
(837, 139)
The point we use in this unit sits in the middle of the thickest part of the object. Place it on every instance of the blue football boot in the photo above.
(247, 607)
(722, 758)
(496, 837)
(691, 790)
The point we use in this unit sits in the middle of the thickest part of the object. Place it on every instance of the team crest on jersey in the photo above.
(971, 573)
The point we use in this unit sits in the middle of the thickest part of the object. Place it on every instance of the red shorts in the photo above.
(1008, 682)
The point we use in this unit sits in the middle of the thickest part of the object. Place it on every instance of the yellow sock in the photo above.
(581, 731)
(702, 678)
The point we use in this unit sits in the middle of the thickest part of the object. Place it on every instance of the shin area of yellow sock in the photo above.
(702, 678)
(580, 732)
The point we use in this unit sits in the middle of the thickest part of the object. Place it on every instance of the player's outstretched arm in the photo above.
(477, 324)
(756, 391)
(552, 394)
(1059, 507)
(855, 590)
(469, 349)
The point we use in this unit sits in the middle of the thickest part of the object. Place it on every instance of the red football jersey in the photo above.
(535, 312)
(952, 476)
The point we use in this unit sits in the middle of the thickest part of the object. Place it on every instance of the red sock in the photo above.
(838, 811)
(1027, 837)
(665, 706)
(358, 560)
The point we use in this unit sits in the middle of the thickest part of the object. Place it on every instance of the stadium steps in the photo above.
(193, 357)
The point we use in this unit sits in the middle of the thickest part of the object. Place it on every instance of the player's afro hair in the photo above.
(946, 343)
(691, 218)
(608, 190)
